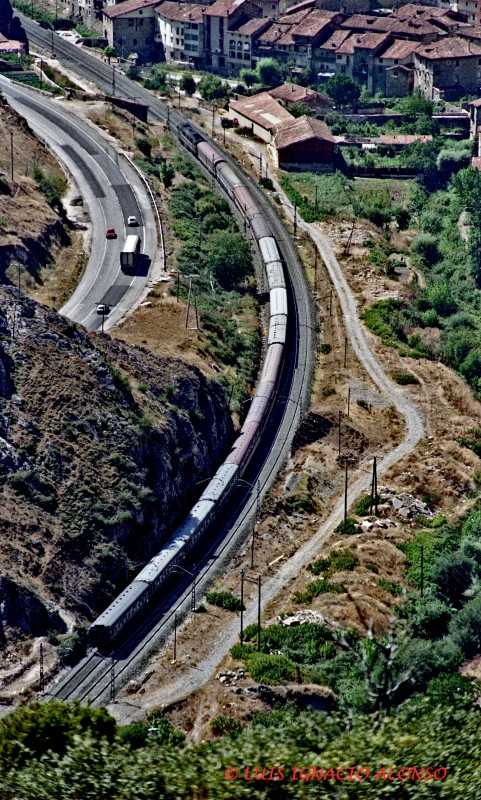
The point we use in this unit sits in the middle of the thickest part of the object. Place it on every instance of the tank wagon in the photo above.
(136, 597)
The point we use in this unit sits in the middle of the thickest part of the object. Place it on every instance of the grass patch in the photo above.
(405, 378)
(315, 588)
(390, 586)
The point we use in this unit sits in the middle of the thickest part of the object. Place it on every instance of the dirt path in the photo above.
(206, 668)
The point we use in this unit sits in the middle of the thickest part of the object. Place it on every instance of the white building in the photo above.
(180, 29)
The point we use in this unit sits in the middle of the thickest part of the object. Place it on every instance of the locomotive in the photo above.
(138, 594)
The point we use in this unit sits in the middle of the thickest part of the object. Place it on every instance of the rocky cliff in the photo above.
(101, 445)
(11, 26)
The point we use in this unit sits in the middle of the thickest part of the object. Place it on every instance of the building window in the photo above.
(134, 41)
(231, 53)
(246, 57)
(141, 22)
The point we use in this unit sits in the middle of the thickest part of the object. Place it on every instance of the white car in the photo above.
(103, 309)
(132, 222)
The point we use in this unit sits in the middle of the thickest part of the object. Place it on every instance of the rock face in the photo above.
(11, 26)
(101, 446)
(21, 609)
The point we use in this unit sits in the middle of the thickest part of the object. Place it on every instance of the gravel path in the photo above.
(197, 677)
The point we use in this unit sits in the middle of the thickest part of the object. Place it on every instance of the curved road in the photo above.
(112, 191)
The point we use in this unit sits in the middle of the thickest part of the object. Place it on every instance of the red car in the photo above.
(110, 233)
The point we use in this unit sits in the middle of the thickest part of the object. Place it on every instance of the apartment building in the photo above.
(180, 31)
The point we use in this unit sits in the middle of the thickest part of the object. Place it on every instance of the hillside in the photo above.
(101, 445)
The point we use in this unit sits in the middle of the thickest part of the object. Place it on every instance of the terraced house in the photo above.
(180, 32)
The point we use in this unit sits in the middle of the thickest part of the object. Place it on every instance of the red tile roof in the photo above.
(127, 7)
(450, 47)
(253, 26)
(262, 109)
(301, 130)
(312, 25)
(292, 93)
(335, 41)
(180, 12)
(223, 8)
(400, 49)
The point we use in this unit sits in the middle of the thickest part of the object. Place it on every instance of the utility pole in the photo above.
(260, 167)
(345, 496)
(192, 602)
(113, 80)
(11, 154)
(42, 676)
(330, 303)
(168, 117)
(339, 434)
(348, 401)
(242, 609)
(259, 614)
(175, 637)
(112, 679)
(213, 118)
(345, 352)
(295, 220)
(373, 486)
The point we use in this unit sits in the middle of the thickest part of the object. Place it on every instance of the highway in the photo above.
(96, 678)
(112, 191)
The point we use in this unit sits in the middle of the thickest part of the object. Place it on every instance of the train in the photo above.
(137, 596)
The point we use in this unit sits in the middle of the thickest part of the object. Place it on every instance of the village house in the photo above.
(447, 69)
(130, 27)
(290, 93)
(261, 113)
(304, 144)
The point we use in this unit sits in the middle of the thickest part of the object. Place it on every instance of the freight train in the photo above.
(108, 627)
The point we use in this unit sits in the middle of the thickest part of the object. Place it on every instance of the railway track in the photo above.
(96, 678)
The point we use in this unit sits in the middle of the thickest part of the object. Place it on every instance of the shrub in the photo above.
(465, 627)
(426, 247)
(390, 586)
(363, 506)
(452, 574)
(220, 726)
(315, 588)
(405, 378)
(349, 527)
(338, 561)
(73, 647)
(325, 348)
(271, 669)
(225, 600)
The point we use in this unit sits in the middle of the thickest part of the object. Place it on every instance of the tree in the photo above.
(426, 247)
(32, 730)
(109, 52)
(465, 627)
(301, 110)
(229, 258)
(269, 71)
(415, 104)
(248, 76)
(452, 574)
(343, 90)
(167, 174)
(188, 84)
(211, 87)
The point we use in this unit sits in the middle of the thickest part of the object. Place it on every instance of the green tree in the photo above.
(343, 90)
(301, 110)
(211, 87)
(248, 76)
(452, 575)
(30, 731)
(109, 52)
(167, 174)
(187, 83)
(465, 627)
(415, 104)
(426, 247)
(269, 71)
(229, 258)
